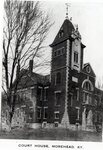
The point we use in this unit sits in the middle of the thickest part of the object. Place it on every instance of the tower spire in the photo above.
(67, 6)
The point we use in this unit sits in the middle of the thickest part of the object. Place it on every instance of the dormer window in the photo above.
(61, 33)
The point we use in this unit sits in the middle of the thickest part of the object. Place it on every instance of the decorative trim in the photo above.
(65, 119)
(57, 91)
(59, 68)
(56, 112)
(40, 87)
(46, 87)
(23, 106)
(87, 74)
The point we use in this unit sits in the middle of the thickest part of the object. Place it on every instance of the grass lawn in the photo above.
(51, 134)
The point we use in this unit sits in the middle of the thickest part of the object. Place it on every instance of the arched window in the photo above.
(58, 78)
(87, 85)
(87, 91)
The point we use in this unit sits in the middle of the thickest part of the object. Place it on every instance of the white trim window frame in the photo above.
(56, 112)
(78, 112)
(41, 92)
(76, 59)
(45, 93)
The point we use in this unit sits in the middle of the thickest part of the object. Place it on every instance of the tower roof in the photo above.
(64, 32)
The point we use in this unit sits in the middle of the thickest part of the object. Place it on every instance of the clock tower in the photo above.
(67, 56)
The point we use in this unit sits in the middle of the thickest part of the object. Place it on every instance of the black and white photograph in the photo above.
(52, 71)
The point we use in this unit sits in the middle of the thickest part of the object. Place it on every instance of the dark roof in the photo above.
(98, 91)
(30, 79)
(67, 28)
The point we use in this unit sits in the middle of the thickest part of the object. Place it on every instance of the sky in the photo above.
(88, 14)
(89, 17)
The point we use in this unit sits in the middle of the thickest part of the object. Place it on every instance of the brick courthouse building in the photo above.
(66, 98)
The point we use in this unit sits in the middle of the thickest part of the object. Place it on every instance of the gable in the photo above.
(88, 70)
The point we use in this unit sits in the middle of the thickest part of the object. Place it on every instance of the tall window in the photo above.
(77, 94)
(87, 92)
(39, 93)
(58, 78)
(45, 112)
(78, 112)
(75, 57)
(39, 113)
(46, 93)
(87, 98)
(57, 98)
(32, 92)
(71, 99)
(87, 86)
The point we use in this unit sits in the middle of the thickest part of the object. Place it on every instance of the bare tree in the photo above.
(25, 29)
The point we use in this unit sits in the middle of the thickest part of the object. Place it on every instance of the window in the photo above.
(88, 69)
(58, 78)
(39, 113)
(87, 92)
(45, 112)
(56, 115)
(75, 57)
(6, 114)
(87, 86)
(32, 92)
(71, 100)
(46, 93)
(87, 98)
(56, 124)
(39, 93)
(30, 115)
(18, 112)
(57, 98)
(96, 102)
(77, 94)
(59, 52)
(78, 112)
(95, 117)
(55, 53)
(44, 124)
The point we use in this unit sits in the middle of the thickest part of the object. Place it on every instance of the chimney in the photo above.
(31, 65)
